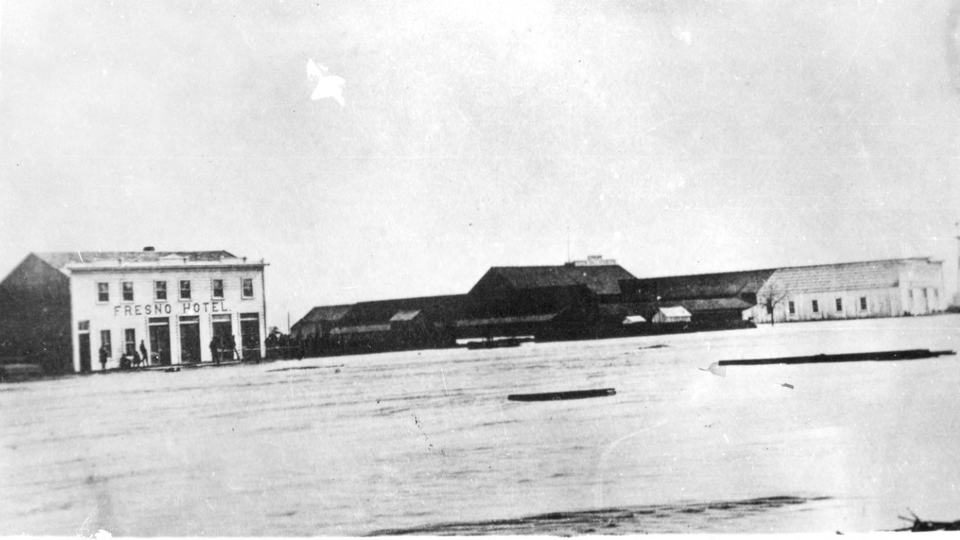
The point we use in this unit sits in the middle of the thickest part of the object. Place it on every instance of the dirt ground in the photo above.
(427, 441)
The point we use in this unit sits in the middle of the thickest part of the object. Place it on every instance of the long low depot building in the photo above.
(59, 309)
(525, 300)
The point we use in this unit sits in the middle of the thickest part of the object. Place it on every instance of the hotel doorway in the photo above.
(250, 335)
(222, 330)
(160, 340)
(190, 339)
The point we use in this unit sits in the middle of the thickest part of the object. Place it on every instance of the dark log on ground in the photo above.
(882, 356)
(558, 396)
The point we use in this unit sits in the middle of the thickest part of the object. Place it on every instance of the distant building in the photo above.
(524, 300)
(406, 323)
(710, 298)
(520, 285)
(884, 288)
(516, 300)
(598, 298)
(59, 309)
(668, 315)
(319, 321)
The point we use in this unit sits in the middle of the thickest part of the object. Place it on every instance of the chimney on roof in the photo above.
(149, 248)
(593, 260)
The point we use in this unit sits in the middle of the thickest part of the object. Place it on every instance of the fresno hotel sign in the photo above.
(178, 306)
(167, 309)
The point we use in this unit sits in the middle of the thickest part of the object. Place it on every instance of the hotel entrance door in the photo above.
(222, 330)
(250, 335)
(189, 339)
(160, 340)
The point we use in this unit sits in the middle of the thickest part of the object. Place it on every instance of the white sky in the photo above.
(677, 137)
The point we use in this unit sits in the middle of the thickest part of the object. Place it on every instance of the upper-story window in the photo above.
(247, 286)
(103, 292)
(185, 289)
(160, 290)
(217, 288)
(127, 287)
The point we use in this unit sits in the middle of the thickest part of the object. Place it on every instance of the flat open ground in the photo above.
(428, 441)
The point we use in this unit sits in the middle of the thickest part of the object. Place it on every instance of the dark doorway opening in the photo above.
(250, 335)
(222, 330)
(190, 339)
(160, 340)
(84, 352)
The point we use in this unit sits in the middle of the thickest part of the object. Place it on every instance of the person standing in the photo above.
(215, 350)
(103, 357)
(143, 353)
(232, 347)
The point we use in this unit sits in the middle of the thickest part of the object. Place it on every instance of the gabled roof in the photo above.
(325, 314)
(383, 311)
(59, 259)
(675, 311)
(719, 285)
(604, 279)
(838, 277)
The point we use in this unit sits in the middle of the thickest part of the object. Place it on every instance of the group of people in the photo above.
(224, 344)
(283, 346)
(128, 359)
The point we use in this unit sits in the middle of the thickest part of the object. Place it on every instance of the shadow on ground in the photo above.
(673, 518)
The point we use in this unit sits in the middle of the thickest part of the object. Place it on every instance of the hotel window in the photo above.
(127, 291)
(105, 341)
(218, 288)
(839, 304)
(129, 340)
(816, 307)
(160, 290)
(103, 292)
(247, 286)
(863, 303)
(793, 308)
(83, 326)
(185, 289)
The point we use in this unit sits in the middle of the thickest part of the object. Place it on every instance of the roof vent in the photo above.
(149, 248)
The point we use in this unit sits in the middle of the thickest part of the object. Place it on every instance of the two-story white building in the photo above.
(179, 307)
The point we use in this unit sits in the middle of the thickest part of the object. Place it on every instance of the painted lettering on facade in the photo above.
(128, 310)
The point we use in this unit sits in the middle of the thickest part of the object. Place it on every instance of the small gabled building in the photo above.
(671, 315)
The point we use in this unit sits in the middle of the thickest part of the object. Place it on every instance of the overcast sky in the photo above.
(674, 136)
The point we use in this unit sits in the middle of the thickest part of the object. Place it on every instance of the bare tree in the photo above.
(771, 298)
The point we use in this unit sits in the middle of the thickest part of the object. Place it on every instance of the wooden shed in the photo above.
(674, 314)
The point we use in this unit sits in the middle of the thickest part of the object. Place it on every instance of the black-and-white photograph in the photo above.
(284, 268)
